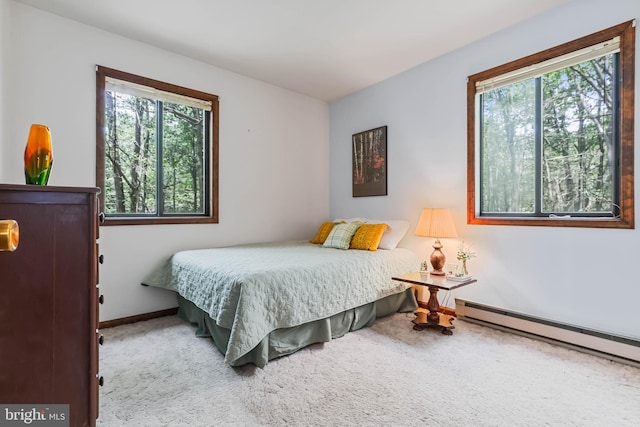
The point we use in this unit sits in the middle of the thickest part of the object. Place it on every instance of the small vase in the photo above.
(38, 157)
(464, 267)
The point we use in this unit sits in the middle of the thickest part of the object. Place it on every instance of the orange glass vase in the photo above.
(38, 157)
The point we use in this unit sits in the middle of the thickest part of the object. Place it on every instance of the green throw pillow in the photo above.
(341, 235)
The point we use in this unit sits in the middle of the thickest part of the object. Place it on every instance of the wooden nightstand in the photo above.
(430, 316)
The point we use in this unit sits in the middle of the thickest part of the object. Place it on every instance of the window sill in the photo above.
(553, 222)
(164, 220)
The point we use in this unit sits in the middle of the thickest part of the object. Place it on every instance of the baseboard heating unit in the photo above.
(614, 347)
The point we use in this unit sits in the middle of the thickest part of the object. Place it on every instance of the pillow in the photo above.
(363, 220)
(323, 232)
(340, 236)
(368, 237)
(393, 234)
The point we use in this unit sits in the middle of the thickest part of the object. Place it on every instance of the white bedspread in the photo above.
(255, 289)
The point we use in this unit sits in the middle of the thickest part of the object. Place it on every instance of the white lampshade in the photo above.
(436, 222)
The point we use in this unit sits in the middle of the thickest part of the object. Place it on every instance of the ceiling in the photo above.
(325, 49)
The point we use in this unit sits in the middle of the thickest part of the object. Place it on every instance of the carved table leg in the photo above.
(433, 306)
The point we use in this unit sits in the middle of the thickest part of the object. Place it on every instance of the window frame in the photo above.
(211, 214)
(625, 175)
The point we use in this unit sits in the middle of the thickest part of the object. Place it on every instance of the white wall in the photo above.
(273, 147)
(4, 53)
(578, 276)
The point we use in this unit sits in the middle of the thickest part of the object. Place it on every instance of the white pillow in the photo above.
(350, 220)
(395, 231)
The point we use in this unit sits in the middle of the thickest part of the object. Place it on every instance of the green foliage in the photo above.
(508, 148)
(575, 127)
(133, 181)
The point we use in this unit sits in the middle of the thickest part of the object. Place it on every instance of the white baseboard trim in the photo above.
(614, 347)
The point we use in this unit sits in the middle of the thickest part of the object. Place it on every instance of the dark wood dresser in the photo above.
(49, 300)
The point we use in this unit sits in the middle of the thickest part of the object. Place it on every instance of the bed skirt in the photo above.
(282, 342)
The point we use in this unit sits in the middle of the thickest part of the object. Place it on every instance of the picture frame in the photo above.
(369, 162)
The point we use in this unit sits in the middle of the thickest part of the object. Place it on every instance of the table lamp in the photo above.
(436, 222)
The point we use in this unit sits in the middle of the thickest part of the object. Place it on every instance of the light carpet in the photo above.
(157, 373)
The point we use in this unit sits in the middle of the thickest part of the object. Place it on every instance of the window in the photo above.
(550, 136)
(156, 151)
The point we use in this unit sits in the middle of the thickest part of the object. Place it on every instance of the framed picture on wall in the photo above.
(369, 162)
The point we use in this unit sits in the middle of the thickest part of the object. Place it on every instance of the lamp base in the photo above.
(437, 259)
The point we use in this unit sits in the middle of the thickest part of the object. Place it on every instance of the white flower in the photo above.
(465, 254)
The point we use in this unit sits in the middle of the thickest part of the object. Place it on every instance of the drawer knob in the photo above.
(9, 235)
(101, 217)
(101, 259)
(101, 299)
(101, 381)
(101, 339)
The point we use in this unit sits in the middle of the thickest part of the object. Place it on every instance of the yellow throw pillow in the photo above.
(323, 232)
(368, 237)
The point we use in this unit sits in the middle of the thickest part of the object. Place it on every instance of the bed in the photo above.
(262, 301)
